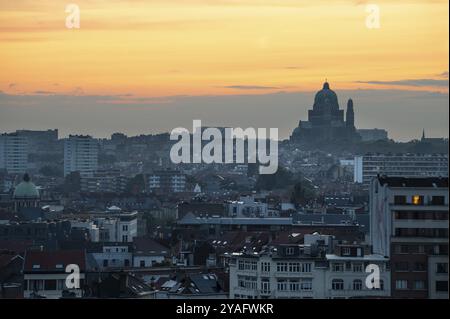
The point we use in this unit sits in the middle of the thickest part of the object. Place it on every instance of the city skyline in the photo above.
(144, 67)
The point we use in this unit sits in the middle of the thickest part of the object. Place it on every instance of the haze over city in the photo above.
(143, 67)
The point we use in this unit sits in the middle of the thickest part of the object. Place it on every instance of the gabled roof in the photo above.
(53, 261)
(147, 246)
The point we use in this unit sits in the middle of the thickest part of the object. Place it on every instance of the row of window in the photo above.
(418, 200)
(49, 284)
(422, 232)
(294, 285)
(440, 268)
(292, 267)
(422, 215)
(357, 284)
(341, 266)
(403, 284)
(432, 249)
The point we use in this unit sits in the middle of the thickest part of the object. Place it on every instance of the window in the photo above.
(438, 200)
(142, 263)
(338, 267)
(404, 249)
(124, 238)
(306, 284)
(442, 268)
(337, 284)
(357, 284)
(50, 285)
(265, 286)
(127, 263)
(419, 284)
(247, 282)
(399, 200)
(294, 267)
(306, 267)
(282, 267)
(417, 200)
(290, 251)
(265, 266)
(401, 284)
(105, 262)
(294, 285)
(442, 286)
(402, 266)
(125, 227)
(346, 251)
(282, 285)
(420, 267)
(357, 267)
(61, 284)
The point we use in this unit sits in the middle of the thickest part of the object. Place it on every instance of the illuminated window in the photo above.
(417, 200)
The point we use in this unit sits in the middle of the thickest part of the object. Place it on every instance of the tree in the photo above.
(303, 192)
(281, 179)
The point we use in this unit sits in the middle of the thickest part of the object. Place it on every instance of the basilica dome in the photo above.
(326, 97)
(26, 189)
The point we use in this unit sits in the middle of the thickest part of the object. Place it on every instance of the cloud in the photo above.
(251, 87)
(410, 82)
(43, 92)
(443, 74)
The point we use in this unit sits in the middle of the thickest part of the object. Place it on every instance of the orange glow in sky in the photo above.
(202, 47)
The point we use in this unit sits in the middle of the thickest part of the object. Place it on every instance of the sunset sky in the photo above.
(145, 51)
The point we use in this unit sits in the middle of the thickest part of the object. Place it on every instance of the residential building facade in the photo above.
(409, 224)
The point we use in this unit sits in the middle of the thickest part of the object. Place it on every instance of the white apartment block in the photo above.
(368, 166)
(167, 181)
(13, 153)
(121, 228)
(304, 272)
(113, 256)
(80, 155)
(246, 206)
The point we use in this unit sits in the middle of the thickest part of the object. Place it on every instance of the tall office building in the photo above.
(409, 224)
(13, 153)
(80, 155)
(368, 166)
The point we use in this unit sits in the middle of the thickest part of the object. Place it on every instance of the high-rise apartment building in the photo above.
(80, 155)
(13, 153)
(409, 224)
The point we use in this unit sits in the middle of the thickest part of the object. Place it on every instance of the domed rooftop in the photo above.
(26, 189)
(326, 96)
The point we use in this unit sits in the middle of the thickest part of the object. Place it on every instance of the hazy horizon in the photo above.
(403, 113)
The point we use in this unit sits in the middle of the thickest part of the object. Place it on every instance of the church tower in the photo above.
(350, 117)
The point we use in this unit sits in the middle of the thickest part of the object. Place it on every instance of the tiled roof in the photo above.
(53, 261)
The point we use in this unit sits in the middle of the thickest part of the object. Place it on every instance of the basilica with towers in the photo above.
(326, 123)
